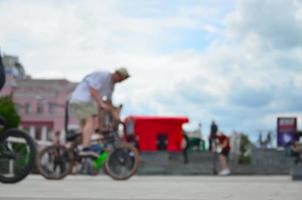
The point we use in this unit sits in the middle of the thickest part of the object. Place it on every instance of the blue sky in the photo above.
(238, 62)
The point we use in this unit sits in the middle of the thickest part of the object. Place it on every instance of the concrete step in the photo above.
(296, 172)
(264, 162)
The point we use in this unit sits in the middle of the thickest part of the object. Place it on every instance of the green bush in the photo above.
(245, 150)
(9, 112)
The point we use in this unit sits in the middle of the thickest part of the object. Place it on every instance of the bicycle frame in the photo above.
(100, 161)
(6, 154)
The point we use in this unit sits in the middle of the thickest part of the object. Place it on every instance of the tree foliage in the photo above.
(9, 112)
(245, 150)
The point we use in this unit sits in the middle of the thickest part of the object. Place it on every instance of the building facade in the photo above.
(40, 102)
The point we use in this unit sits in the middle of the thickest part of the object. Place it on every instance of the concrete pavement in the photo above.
(155, 188)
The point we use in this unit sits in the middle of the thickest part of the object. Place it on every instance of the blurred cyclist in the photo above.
(93, 92)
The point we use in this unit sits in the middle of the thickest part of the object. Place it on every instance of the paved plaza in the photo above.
(155, 188)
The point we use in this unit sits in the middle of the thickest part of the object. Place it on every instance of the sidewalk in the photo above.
(155, 188)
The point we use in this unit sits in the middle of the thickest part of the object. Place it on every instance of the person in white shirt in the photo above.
(89, 95)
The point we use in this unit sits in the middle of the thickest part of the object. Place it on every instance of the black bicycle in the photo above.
(17, 155)
(118, 159)
(17, 149)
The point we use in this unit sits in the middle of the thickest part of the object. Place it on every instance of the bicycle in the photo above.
(17, 148)
(117, 158)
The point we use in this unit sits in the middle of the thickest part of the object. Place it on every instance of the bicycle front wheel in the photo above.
(123, 162)
(54, 162)
(17, 155)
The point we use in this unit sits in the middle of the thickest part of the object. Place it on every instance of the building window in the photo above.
(27, 108)
(50, 135)
(40, 108)
(51, 108)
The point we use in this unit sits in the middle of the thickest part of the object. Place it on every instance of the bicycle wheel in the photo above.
(54, 162)
(122, 162)
(17, 155)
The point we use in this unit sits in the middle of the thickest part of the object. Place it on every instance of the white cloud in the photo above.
(276, 22)
(248, 53)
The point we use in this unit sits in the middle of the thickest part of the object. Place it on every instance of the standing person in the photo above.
(223, 147)
(186, 146)
(213, 132)
(93, 92)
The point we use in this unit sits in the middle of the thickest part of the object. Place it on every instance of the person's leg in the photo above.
(223, 163)
(84, 113)
(210, 144)
(88, 130)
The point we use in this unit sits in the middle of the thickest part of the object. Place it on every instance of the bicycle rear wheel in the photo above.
(123, 162)
(17, 155)
(54, 162)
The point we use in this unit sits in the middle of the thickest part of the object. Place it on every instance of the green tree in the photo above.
(9, 112)
(245, 150)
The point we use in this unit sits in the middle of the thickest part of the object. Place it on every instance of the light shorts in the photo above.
(83, 110)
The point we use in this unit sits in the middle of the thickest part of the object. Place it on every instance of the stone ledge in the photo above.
(264, 162)
(296, 172)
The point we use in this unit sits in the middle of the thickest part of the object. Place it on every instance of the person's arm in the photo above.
(107, 106)
(97, 97)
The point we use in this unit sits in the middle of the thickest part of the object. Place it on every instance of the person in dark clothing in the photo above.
(186, 147)
(213, 132)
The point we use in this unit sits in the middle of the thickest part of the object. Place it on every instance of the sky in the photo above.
(238, 62)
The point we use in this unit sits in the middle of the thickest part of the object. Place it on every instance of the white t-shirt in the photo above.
(100, 80)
